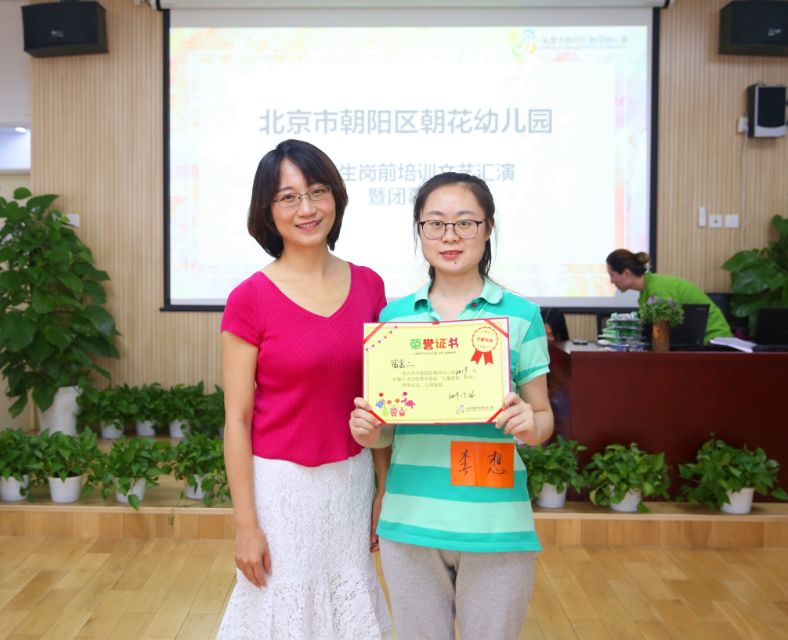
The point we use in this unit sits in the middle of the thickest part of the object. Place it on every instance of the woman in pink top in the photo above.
(301, 486)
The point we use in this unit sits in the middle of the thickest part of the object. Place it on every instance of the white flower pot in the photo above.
(11, 489)
(179, 429)
(65, 490)
(194, 494)
(739, 502)
(145, 429)
(630, 502)
(549, 498)
(62, 415)
(111, 431)
(137, 489)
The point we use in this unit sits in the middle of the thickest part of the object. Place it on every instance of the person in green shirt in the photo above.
(629, 270)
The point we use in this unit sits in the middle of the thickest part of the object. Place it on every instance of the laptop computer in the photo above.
(690, 333)
(771, 329)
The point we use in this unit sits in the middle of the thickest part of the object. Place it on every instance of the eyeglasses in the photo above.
(436, 229)
(316, 194)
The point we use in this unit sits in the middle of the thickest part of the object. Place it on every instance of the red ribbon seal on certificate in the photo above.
(484, 340)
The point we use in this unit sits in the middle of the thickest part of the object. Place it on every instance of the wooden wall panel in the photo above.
(702, 160)
(582, 327)
(97, 141)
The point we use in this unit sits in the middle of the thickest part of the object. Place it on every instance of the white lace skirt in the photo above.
(323, 584)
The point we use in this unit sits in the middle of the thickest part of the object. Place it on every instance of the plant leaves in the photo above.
(59, 254)
(17, 331)
(100, 347)
(780, 223)
(39, 204)
(18, 406)
(39, 350)
(756, 278)
(43, 396)
(10, 280)
(96, 292)
(42, 302)
(71, 281)
(58, 336)
(741, 260)
(100, 318)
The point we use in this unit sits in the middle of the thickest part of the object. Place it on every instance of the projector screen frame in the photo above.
(168, 306)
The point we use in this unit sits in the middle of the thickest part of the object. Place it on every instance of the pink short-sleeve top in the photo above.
(309, 367)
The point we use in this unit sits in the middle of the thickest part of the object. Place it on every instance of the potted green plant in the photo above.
(146, 408)
(199, 460)
(53, 323)
(759, 277)
(620, 477)
(19, 461)
(662, 313)
(68, 460)
(103, 410)
(133, 465)
(209, 417)
(725, 477)
(552, 468)
(182, 403)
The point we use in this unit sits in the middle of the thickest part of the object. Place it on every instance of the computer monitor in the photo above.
(691, 332)
(771, 326)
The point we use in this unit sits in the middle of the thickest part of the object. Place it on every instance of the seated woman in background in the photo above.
(554, 324)
(629, 270)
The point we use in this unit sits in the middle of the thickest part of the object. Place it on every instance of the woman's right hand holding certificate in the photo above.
(367, 430)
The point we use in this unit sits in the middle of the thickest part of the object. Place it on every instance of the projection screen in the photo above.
(551, 107)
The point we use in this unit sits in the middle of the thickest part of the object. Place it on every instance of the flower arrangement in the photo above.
(659, 309)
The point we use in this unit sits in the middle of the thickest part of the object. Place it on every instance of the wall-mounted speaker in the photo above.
(766, 111)
(64, 28)
(754, 27)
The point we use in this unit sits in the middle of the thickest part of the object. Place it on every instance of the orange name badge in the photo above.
(483, 464)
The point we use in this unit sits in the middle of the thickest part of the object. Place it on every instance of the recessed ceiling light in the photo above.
(20, 129)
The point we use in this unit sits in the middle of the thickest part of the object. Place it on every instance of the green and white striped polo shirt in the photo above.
(421, 506)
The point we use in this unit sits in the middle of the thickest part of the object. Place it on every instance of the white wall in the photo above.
(14, 151)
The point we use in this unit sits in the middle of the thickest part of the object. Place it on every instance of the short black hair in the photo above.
(316, 167)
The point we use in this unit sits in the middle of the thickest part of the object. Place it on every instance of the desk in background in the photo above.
(671, 402)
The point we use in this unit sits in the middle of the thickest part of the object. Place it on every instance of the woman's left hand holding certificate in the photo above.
(367, 430)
